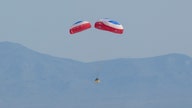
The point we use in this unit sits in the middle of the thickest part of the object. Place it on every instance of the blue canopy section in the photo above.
(114, 22)
(77, 22)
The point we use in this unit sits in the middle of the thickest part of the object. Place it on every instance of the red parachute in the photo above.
(79, 26)
(104, 24)
(107, 24)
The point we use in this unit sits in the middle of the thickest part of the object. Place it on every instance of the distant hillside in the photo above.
(29, 79)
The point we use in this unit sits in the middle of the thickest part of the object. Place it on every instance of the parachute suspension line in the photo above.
(97, 74)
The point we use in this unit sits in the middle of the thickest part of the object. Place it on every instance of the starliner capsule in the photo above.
(79, 26)
(107, 24)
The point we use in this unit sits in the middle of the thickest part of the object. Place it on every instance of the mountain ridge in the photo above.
(11, 46)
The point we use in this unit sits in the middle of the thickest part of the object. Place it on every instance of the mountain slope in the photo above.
(30, 79)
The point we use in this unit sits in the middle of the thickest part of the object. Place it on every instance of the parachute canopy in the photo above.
(107, 24)
(79, 26)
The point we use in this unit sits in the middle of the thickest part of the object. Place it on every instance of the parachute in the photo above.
(79, 26)
(107, 24)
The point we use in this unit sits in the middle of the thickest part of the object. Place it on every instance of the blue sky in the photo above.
(152, 27)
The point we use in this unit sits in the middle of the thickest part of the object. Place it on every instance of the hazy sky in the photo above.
(152, 27)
